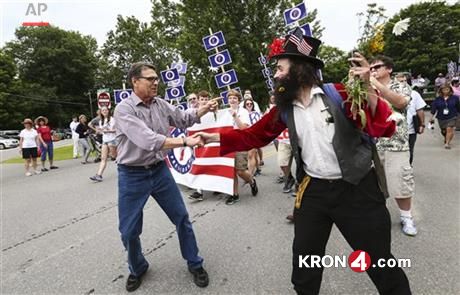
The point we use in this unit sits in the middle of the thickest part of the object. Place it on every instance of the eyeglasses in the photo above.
(150, 79)
(376, 67)
(249, 104)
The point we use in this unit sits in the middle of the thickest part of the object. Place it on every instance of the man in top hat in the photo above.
(338, 182)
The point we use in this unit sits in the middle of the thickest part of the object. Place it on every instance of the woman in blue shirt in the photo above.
(446, 107)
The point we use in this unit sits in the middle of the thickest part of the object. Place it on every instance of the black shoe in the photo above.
(254, 189)
(196, 196)
(133, 282)
(232, 200)
(54, 167)
(44, 169)
(200, 277)
(258, 172)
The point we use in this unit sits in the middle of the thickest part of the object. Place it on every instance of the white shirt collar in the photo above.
(314, 91)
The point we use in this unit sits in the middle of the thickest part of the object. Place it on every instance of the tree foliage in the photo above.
(336, 63)
(431, 41)
(53, 70)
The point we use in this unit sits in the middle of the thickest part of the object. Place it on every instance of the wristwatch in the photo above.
(184, 143)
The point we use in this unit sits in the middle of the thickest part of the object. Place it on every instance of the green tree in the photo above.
(370, 41)
(431, 40)
(336, 63)
(55, 68)
(248, 26)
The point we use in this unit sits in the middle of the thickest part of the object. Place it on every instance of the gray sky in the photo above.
(97, 17)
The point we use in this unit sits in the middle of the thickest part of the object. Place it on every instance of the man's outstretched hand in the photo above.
(207, 137)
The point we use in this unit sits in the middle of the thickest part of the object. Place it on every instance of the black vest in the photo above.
(354, 149)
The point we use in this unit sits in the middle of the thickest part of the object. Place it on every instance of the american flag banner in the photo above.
(203, 167)
(297, 38)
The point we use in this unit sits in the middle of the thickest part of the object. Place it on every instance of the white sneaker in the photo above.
(38, 172)
(408, 226)
(28, 173)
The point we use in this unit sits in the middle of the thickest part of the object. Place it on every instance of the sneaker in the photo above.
(261, 163)
(288, 184)
(280, 179)
(28, 173)
(196, 196)
(295, 190)
(408, 226)
(96, 177)
(38, 172)
(54, 167)
(254, 188)
(200, 276)
(232, 200)
(44, 169)
(258, 172)
(133, 282)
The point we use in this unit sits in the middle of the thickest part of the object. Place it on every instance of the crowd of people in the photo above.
(343, 175)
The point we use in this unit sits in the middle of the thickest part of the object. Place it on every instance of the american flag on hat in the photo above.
(297, 38)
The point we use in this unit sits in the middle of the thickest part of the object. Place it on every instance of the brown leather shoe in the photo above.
(290, 217)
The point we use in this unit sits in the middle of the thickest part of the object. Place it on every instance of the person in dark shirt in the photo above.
(82, 130)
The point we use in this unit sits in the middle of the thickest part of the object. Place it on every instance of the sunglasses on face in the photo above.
(376, 67)
(249, 104)
(151, 79)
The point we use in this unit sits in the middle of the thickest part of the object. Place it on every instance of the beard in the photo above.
(286, 91)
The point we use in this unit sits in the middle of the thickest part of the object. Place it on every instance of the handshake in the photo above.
(199, 139)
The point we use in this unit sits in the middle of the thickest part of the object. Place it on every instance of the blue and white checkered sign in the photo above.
(212, 41)
(226, 78)
(225, 94)
(295, 14)
(220, 59)
(169, 75)
(180, 66)
(121, 94)
(175, 92)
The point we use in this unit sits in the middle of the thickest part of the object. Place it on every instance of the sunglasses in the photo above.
(376, 67)
(249, 104)
(151, 79)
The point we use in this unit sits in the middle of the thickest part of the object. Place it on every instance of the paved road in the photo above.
(59, 235)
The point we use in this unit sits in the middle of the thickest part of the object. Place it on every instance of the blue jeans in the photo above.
(48, 149)
(135, 186)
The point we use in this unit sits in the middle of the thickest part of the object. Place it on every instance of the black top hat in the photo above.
(296, 44)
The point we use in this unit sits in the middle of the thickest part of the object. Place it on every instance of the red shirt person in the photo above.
(336, 161)
(47, 148)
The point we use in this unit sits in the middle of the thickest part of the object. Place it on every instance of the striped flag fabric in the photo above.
(203, 167)
(297, 38)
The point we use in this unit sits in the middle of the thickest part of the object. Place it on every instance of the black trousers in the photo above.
(360, 213)
(412, 139)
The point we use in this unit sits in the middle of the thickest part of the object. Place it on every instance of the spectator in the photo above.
(394, 151)
(73, 126)
(248, 94)
(415, 120)
(82, 130)
(47, 148)
(439, 81)
(253, 155)
(455, 86)
(201, 101)
(241, 121)
(446, 107)
(192, 101)
(29, 140)
(109, 141)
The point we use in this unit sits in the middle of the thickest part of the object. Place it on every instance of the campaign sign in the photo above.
(180, 66)
(295, 14)
(226, 78)
(179, 82)
(225, 94)
(175, 92)
(263, 60)
(121, 94)
(269, 83)
(213, 41)
(306, 30)
(183, 106)
(169, 75)
(220, 59)
(267, 72)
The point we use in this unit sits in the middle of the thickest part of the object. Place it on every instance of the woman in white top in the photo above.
(28, 146)
(109, 141)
